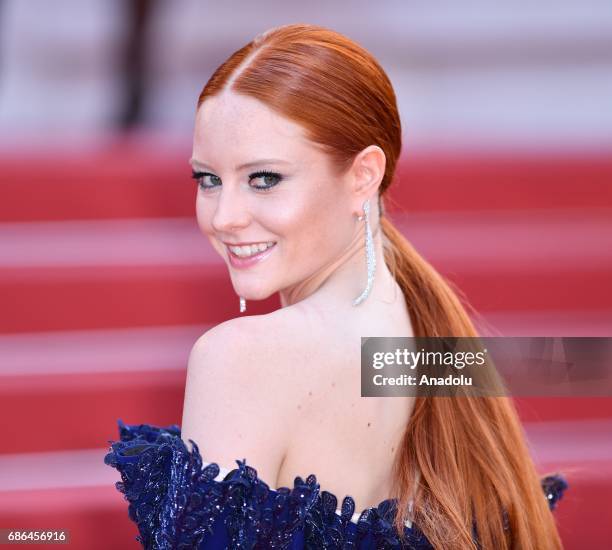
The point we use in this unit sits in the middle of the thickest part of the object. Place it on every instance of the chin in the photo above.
(253, 293)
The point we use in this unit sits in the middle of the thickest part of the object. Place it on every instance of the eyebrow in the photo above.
(198, 164)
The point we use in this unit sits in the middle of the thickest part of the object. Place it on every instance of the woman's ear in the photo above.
(367, 172)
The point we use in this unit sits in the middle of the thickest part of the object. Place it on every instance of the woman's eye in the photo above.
(200, 177)
(270, 179)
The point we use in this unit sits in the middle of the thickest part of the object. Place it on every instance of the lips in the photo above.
(246, 250)
(248, 261)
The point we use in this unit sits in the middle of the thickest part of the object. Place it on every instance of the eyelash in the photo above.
(199, 177)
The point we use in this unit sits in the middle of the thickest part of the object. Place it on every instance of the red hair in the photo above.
(463, 459)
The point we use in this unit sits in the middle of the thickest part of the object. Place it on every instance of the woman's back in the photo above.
(349, 441)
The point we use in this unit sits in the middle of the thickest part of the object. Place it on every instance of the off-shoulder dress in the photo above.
(179, 501)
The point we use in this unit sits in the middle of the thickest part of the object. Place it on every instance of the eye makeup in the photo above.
(200, 178)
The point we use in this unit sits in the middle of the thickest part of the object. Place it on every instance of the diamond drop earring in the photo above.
(242, 305)
(370, 256)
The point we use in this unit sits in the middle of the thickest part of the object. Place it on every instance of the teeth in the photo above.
(250, 249)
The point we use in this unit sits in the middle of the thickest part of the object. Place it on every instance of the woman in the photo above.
(296, 141)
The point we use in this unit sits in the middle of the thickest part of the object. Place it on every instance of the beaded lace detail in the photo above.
(176, 500)
(223, 472)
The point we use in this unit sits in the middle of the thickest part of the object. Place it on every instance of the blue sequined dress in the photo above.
(180, 502)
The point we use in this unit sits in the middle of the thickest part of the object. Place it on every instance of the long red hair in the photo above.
(464, 459)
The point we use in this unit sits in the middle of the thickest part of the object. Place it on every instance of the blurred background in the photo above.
(505, 186)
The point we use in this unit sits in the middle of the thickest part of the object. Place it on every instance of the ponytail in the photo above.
(463, 460)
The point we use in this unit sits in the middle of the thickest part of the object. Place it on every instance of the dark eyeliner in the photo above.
(264, 173)
(198, 176)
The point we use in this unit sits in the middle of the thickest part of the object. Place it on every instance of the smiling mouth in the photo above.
(248, 251)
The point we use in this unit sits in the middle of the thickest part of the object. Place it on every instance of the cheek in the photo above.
(203, 215)
(307, 231)
(292, 221)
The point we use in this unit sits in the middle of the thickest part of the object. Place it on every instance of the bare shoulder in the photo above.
(240, 395)
(267, 339)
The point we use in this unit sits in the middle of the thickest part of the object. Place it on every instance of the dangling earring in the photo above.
(242, 305)
(370, 256)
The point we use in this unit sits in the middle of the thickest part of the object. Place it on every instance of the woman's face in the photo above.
(300, 206)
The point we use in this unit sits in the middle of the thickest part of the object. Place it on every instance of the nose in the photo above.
(231, 213)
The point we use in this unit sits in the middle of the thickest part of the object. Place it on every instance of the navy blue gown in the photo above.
(180, 502)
